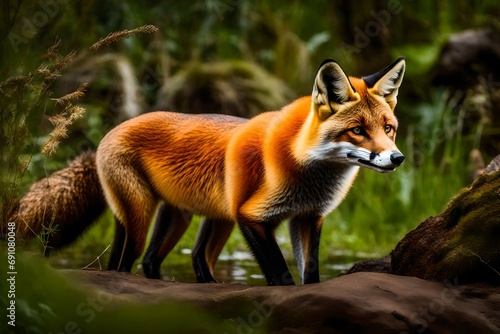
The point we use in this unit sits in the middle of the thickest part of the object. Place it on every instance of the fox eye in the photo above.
(357, 130)
(388, 128)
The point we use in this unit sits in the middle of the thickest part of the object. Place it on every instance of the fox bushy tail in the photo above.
(59, 208)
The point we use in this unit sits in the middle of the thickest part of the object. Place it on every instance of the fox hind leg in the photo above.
(123, 250)
(130, 196)
(117, 246)
(170, 225)
(135, 214)
(212, 237)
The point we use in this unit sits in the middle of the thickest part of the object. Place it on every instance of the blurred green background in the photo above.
(243, 57)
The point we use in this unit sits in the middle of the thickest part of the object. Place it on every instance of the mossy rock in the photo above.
(462, 243)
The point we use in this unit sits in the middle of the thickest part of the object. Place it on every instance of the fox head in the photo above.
(353, 118)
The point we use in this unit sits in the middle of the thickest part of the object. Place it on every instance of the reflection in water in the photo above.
(240, 267)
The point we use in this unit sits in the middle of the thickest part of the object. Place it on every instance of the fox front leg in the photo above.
(305, 233)
(260, 238)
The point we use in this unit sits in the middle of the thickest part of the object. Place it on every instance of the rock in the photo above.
(461, 243)
(468, 67)
(382, 265)
(466, 57)
(356, 303)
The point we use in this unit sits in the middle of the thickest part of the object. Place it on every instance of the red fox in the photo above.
(296, 164)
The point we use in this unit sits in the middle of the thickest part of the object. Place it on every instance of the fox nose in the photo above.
(397, 158)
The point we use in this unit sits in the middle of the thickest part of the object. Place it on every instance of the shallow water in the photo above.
(239, 267)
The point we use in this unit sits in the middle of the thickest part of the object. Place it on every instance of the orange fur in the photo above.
(296, 163)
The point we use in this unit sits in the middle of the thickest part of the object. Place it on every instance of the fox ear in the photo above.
(386, 82)
(331, 88)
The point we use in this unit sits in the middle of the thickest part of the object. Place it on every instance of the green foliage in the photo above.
(23, 99)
